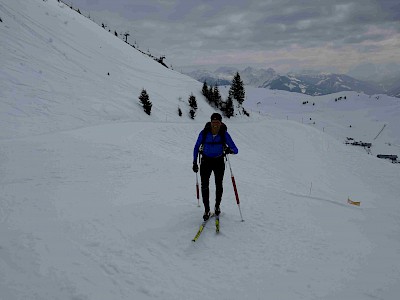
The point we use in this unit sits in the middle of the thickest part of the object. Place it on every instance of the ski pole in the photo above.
(197, 191)
(197, 186)
(234, 187)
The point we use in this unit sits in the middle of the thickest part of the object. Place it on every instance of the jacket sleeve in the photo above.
(230, 143)
(197, 147)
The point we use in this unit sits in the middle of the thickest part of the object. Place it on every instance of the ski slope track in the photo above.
(98, 199)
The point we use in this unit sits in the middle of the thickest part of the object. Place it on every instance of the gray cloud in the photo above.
(191, 31)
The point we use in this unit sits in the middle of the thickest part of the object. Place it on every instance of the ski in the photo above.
(203, 224)
(217, 224)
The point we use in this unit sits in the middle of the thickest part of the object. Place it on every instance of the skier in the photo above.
(214, 142)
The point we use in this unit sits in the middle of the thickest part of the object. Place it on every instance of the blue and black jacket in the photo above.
(213, 146)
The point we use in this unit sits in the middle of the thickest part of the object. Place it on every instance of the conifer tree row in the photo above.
(236, 92)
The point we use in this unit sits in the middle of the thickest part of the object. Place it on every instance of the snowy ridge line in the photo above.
(90, 94)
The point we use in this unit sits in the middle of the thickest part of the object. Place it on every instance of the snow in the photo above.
(290, 86)
(98, 200)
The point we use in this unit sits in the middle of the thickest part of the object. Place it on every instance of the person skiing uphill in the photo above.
(213, 142)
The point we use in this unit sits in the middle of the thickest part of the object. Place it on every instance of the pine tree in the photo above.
(192, 113)
(210, 97)
(229, 109)
(204, 90)
(193, 106)
(217, 97)
(192, 101)
(208, 93)
(237, 90)
(145, 101)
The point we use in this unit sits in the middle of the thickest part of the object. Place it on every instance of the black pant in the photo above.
(207, 166)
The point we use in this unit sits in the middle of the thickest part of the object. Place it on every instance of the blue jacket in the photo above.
(213, 146)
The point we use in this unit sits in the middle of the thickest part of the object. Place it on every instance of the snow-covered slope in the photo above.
(108, 212)
(98, 200)
(56, 62)
(341, 115)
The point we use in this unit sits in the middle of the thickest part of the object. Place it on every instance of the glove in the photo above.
(228, 151)
(195, 167)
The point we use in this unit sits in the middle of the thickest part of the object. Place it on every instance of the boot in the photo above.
(217, 210)
(206, 215)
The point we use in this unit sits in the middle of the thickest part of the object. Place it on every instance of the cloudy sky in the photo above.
(329, 35)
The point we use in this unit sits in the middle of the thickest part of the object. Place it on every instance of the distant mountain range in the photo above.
(310, 84)
(224, 76)
(394, 90)
(321, 84)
